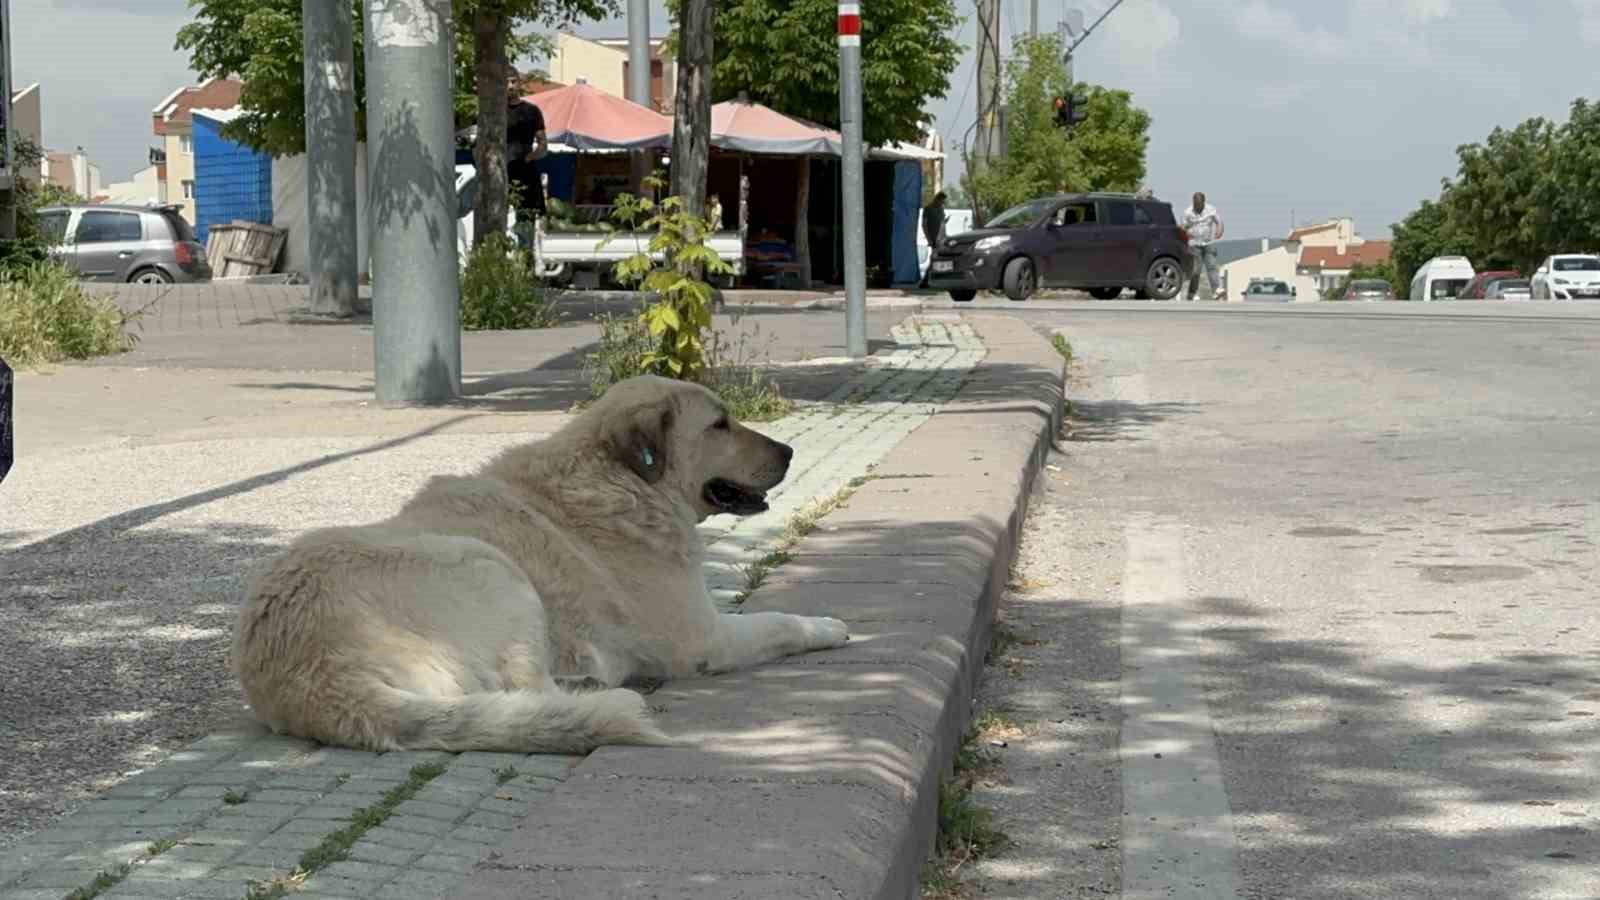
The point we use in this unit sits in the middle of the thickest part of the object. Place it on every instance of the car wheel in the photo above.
(1019, 279)
(963, 296)
(1105, 293)
(1164, 279)
(150, 276)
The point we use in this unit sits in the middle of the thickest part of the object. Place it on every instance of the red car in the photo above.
(1478, 287)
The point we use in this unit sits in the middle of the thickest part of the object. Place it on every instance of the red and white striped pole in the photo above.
(855, 247)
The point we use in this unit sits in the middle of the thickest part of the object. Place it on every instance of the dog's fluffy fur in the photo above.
(447, 626)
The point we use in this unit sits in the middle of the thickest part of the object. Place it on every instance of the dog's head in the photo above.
(678, 436)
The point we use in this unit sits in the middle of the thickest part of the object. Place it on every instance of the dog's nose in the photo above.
(787, 452)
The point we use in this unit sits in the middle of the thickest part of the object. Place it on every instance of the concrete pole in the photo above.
(988, 132)
(416, 306)
(855, 240)
(330, 156)
(639, 73)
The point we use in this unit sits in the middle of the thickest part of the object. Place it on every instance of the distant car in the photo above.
(1269, 290)
(1478, 287)
(141, 244)
(1099, 242)
(1509, 289)
(1442, 278)
(1369, 289)
(1567, 276)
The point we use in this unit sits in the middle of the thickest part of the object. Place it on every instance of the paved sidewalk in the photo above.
(238, 808)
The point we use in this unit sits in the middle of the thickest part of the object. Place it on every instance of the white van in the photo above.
(1442, 278)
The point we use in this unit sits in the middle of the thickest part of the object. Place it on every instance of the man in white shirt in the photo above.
(1204, 225)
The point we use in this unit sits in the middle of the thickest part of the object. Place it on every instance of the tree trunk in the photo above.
(691, 128)
(802, 222)
(489, 26)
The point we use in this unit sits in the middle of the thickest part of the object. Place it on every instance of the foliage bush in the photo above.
(46, 316)
(681, 315)
(500, 291)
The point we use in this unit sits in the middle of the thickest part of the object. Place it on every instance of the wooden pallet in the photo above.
(242, 248)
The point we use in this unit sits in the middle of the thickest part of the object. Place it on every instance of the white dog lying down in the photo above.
(446, 626)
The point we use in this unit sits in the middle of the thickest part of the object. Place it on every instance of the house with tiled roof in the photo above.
(1327, 252)
(172, 120)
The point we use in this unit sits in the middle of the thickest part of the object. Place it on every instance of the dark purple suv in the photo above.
(1101, 243)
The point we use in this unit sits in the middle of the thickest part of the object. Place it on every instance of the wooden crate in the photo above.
(243, 248)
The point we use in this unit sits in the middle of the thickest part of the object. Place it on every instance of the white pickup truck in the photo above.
(581, 257)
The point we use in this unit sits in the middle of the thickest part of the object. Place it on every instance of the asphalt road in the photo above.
(1358, 629)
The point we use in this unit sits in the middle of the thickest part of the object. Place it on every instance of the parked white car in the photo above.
(1568, 276)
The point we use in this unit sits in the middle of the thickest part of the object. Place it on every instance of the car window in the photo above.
(1578, 264)
(1120, 212)
(54, 225)
(1280, 288)
(178, 226)
(1141, 216)
(1075, 214)
(1020, 215)
(1448, 287)
(1157, 213)
(100, 227)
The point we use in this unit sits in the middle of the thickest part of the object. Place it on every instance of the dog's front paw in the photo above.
(824, 634)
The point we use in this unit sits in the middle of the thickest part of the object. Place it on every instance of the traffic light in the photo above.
(1071, 109)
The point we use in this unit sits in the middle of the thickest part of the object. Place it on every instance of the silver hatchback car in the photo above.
(142, 244)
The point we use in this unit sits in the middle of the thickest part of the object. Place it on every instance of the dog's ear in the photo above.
(641, 440)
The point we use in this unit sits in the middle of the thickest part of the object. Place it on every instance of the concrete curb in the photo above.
(819, 776)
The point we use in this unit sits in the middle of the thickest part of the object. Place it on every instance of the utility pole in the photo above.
(330, 156)
(855, 248)
(416, 306)
(988, 124)
(1033, 18)
(639, 75)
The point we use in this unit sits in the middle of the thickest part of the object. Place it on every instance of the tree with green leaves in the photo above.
(1495, 200)
(1571, 188)
(785, 54)
(1427, 232)
(1105, 152)
(261, 43)
(1518, 196)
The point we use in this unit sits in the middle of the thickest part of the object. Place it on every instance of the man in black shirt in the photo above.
(525, 145)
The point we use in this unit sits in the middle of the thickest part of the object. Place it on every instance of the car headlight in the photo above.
(989, 243)
(1562, 281)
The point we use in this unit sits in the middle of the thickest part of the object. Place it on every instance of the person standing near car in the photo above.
(933, 218)
(1204, 225)
(526, 144)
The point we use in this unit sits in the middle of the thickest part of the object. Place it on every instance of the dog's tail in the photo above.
(552, 721)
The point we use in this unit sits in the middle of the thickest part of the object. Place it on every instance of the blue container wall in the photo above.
(230, 181)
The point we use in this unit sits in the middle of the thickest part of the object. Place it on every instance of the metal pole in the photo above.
(639, 51)
(855, 246)
(639, 74)
(330, 156)
(416, 308)
(1033, 18)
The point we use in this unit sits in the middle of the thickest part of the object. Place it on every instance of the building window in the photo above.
(188, 190)
(186, 143)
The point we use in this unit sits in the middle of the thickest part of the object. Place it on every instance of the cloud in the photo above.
(1422, 12)
(1144, 25)
(1261, 21)
(156, 8)
(1588, 19)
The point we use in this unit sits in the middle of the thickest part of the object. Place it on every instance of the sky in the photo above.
(1282, 111)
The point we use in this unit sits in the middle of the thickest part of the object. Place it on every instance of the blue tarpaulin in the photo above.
(907, 215)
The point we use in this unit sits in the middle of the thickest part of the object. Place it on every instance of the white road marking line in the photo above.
(1177, 827)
